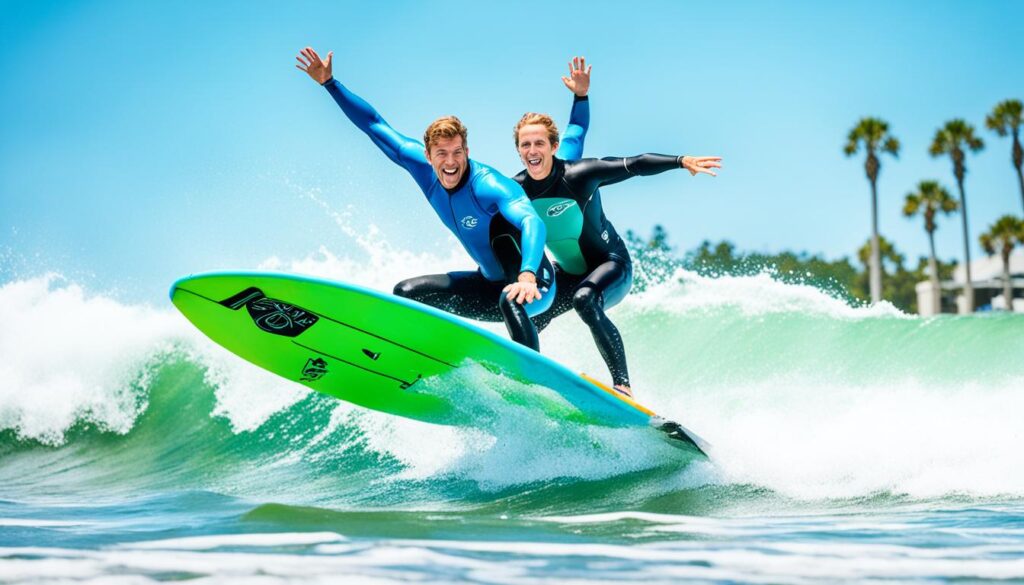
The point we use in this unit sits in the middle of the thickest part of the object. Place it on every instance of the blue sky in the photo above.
(141, 141)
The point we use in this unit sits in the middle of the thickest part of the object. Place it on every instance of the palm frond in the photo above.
(1005, 117)
(1004, 234)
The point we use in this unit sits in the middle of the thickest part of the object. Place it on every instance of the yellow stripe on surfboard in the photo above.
(618, 395)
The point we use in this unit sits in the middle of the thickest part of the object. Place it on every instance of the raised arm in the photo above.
(401, 149)
(578, 82)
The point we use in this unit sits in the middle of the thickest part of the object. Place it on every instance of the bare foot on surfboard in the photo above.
(624, 390)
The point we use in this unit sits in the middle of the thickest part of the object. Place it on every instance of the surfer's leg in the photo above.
(565, 285)
(604, 287)
(517, 321)
(518, 316)
(467, 294)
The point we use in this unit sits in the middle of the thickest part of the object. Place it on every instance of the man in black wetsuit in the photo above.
(593, 270)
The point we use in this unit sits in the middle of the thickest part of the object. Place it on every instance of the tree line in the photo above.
(930, 198)
(656, 260)
(886, 273)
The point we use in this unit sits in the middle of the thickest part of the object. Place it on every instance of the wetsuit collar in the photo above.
(536, 187)
(462, 182)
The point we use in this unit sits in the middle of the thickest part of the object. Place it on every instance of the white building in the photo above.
(987, 277)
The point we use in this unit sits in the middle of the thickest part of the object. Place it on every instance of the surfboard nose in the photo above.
(176, 285)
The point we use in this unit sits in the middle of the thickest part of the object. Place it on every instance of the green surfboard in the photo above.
(375, 350)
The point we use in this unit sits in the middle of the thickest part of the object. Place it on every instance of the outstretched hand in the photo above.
(702, 164)
(312, 64)
(578, 81)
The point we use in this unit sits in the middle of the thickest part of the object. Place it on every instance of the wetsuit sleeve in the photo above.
(571, 145)
(610, 170)
(402, 150)
(511, 200)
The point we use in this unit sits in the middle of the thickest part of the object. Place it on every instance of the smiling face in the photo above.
(450, 159)
(447, 150)
(536, 150)
(536, 139)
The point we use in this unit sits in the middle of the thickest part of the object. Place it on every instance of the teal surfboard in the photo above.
(375, 350)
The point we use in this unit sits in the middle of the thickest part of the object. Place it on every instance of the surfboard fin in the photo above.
(680, 433)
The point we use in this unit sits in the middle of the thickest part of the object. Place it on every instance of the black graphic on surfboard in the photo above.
(314, 369)
(272, 315)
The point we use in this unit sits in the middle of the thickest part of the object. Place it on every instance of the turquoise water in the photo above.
(848, 445)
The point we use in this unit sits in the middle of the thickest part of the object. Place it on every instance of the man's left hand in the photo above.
(701, 164)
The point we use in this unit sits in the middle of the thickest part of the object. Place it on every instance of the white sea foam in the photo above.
(238, 540)
(526, 562)
(379, 264)
(760, 294)
(36, 523)
(811, 439)
(246, 395)
(70, 356)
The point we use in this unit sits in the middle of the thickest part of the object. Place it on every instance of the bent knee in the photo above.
(585, 300)
(406, 288)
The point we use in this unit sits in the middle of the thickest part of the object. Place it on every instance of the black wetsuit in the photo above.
(593, 270)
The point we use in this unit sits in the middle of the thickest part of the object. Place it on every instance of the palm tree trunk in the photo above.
(968, 286)
(1018, 160)
(1020, 179)
(876, 254)
(1007, 288)
(933, 268)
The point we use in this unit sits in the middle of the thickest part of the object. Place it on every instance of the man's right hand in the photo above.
(313, 65)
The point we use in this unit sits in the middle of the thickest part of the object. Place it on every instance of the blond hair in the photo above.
(443, 128)
(535, 118)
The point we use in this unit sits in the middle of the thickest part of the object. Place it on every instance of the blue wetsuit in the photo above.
(487, 212)
(570, 147)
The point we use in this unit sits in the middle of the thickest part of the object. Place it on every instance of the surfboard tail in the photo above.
(678, 432)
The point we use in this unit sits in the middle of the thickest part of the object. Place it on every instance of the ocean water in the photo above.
(849, 445)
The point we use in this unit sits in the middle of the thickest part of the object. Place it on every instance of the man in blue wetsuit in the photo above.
(486, 211)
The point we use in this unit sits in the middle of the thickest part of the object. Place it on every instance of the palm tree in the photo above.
(1006, 119)
(1001, 237)
(873, 133)
(929, 199)
(887, 251)
(951, 139)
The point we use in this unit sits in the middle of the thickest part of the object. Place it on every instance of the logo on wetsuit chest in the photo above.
(469, 222)
(560, 208)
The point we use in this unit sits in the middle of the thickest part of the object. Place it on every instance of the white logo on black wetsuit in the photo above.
(559, 208)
